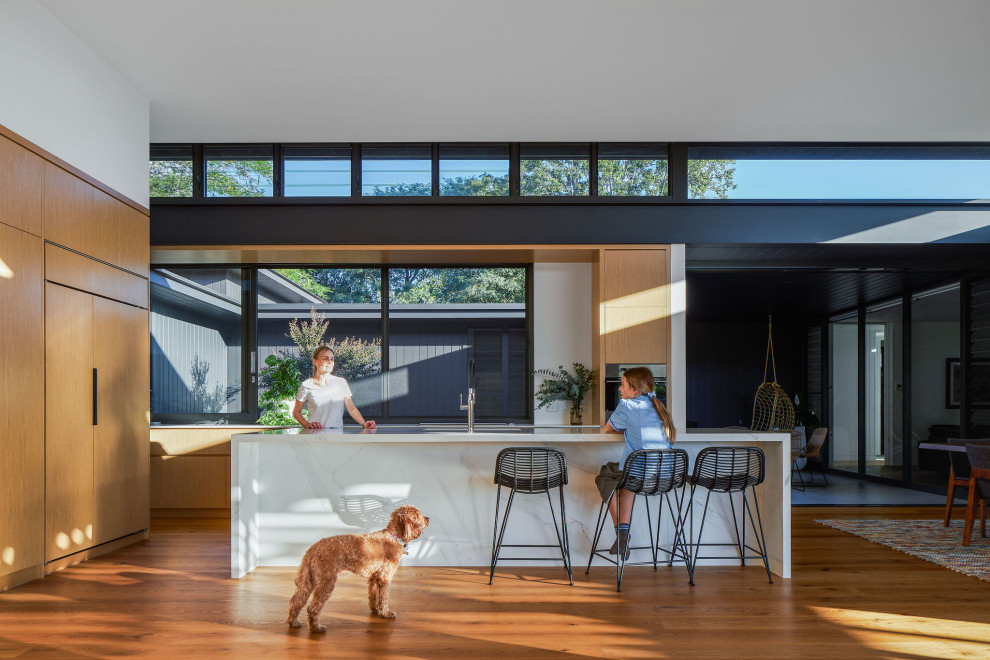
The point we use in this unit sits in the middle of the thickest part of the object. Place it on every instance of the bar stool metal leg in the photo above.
(530, 470)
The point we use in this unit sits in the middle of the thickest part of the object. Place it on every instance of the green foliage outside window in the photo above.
(707, 179)
(710, 179)
(170, 178)
(632, 178)
(239, 178)
(553, 177)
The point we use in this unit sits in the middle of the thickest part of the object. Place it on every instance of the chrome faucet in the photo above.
(469, 406)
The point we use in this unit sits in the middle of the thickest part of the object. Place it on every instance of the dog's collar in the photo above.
(405, 545)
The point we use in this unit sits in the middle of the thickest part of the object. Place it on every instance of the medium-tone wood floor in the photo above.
(170, 597)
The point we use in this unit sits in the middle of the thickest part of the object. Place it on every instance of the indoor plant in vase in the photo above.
(561, 385)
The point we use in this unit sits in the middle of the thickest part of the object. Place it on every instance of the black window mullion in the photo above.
(278, 169)
(435, 170)
(514, 169)
(906, 339)
(249, 330)
(677, 172)
(384, 325)
(593, 170)
(356, 169)
(199, 171)
(861, 387)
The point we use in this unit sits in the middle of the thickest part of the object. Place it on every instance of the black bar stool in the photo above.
(650, 472)
(731, 470)
(530, 470)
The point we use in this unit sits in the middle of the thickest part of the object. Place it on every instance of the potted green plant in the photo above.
(280, 380)
(561, 385)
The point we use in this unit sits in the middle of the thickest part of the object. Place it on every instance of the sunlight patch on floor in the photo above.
(917, 635)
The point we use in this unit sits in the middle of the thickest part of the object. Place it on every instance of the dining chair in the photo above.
(959, 468)
(979, 487)
(811, 451)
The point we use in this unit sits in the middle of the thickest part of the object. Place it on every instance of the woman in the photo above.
(646, 424)
(326, 396)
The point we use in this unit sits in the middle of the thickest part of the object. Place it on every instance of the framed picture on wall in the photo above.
(953, 390)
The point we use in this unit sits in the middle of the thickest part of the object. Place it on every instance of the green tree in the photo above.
(632, 178)
(553, 177)
(482, 185)
(353, 358)
(457, 285)
(238, 178)
(710, 179)
(403, 190)
(170, 178)
(338, 285)
(707, 179)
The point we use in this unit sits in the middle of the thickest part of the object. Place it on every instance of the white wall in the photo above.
(60, 95)
(561, 326)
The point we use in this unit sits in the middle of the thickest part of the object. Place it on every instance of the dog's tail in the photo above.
(304, 587)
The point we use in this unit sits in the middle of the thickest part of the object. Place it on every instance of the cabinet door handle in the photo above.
(96, 399)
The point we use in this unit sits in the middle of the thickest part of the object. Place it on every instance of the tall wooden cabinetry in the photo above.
(74, 365)
(22, 409)
(637, 306)
(631, 310)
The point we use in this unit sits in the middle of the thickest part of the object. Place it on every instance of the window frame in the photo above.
(250, 356)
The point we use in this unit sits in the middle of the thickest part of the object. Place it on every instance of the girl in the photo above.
(646, 424)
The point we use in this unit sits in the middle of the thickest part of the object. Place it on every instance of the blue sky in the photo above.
(861, 179)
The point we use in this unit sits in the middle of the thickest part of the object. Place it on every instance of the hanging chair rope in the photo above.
(770, 357)
(773, 410)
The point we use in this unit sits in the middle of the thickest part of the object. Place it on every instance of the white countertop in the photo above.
(499, 433)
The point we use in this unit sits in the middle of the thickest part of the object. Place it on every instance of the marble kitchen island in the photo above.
(290, 487)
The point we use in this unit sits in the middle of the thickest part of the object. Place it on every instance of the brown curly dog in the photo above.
(374, 556)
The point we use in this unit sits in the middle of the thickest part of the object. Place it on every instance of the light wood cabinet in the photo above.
(79, 272)
(96, 430)
(22, 411)
(120, 443)
(69, 484)
(20, 187)
(73, 218)
(69, 345)
(636, 306)
(85, 219)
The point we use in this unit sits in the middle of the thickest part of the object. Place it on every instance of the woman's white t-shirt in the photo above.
(325, 402)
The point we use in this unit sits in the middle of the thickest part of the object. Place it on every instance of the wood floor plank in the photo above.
(171, 597)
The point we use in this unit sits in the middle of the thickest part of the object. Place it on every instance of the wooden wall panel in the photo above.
(637, 306)
(68, 421)
(133, 239)
(22, 412)
(72, 216)
(121, 436)
(79, 272)
(185, 442)
(181, 482)
(21, 187)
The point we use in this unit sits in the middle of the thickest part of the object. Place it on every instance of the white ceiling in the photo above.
(522, 70)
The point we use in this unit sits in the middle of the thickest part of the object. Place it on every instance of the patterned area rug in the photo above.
(926, 539)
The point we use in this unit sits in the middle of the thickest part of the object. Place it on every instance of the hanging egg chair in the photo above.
(773, 410)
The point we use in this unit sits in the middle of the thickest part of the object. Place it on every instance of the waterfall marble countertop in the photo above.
(291, 487)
